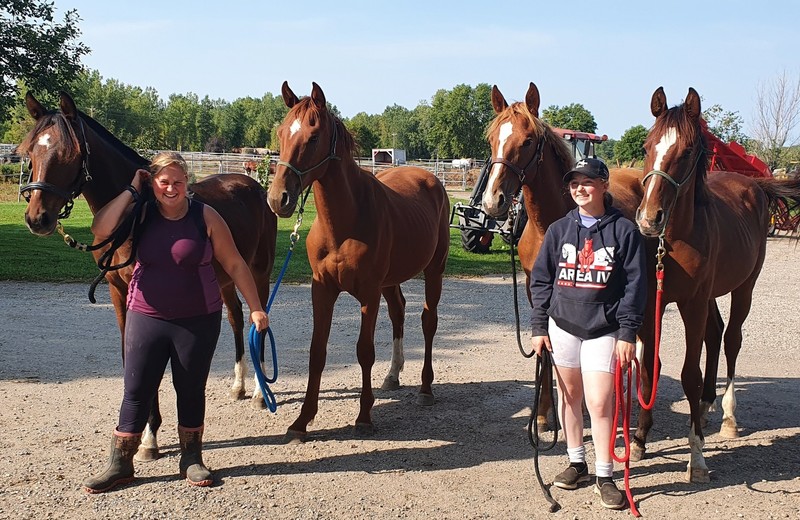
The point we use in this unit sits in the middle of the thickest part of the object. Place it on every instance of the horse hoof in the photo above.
(364, 429)
(238, 394)
(390, 383)
(729, 432)
(425, 399)
(697, 475)
(637, 452)
(542, 425)
(295, 437)
(257, 403)
(147, 455)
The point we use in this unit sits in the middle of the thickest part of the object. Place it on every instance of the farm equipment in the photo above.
(478, 228)
(732, 157)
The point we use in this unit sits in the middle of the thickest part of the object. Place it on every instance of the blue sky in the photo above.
(367, 55)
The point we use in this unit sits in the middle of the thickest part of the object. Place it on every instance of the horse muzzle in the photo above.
(650, 227)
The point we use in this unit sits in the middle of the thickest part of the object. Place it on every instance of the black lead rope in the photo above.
(543, 362)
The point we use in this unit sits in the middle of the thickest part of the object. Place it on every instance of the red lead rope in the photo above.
(623, 391)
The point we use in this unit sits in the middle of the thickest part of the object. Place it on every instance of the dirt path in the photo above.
(465, 457)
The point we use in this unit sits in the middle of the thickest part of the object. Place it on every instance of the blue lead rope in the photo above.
(257, 348)
(257, 338)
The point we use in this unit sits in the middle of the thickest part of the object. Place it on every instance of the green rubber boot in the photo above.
(120, 465)
(191, 464)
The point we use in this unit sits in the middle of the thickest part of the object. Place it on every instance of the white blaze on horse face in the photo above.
(44, 140)
(669, 138)
(294, 128)
(506, 129)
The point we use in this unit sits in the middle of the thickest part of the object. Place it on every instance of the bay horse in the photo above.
(705, 220)
(71, 154)
(527, 154)
(371, 233)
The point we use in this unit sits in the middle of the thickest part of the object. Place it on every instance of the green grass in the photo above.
(26, 257)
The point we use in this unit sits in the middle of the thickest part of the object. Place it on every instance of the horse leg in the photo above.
(694, 316)
(646, 363)
(741, 300)
(148, 449)
(545, 405)
(236, 320)
(322, 301)
(365, 351)
(396, 303)
(434, 274)
(713, 341)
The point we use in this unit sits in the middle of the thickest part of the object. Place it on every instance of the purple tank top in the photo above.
(173, 276)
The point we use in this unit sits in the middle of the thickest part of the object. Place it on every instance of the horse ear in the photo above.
(498, 100)
(658, 103)
(692, 104)
(35, 109)
(317, 96)
(288, 96)
(67, 105)
(532, 100)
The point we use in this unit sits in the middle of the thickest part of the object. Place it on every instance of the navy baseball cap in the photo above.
(591, 167)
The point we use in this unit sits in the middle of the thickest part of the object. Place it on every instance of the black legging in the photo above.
(189, 345)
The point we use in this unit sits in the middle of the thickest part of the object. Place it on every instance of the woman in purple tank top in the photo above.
(174, 312)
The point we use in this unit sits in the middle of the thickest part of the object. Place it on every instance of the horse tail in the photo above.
(786, 191)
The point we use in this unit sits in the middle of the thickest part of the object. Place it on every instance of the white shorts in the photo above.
(590, 355)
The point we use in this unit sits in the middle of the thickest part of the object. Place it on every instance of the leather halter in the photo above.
(68, 196)
(537, 158)
(331, 156)
(679, 186)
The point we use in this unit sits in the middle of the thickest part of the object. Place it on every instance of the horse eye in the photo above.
(527, 142)
(314, 138)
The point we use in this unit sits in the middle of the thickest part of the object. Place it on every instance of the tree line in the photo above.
(42, 54)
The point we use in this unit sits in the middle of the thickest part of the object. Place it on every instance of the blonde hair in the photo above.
(164, 159)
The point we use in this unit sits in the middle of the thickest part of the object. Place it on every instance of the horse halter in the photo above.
(79, 182)
(537, 158)
(675, 184)
(331, 156)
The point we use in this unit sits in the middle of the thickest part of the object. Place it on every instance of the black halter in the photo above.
(331, 156)
(80, 180)
(537, 158)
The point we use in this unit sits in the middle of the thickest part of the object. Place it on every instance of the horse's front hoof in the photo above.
(729, 431)
(541, 424)
(697, 475)
(147, 454)
(425, 399)
(637, 452)
(257, 403)
(238, 393)
(295, 437)
(390, 383)
(364, 429)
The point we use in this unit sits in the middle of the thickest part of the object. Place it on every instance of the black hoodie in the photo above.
(591, 281)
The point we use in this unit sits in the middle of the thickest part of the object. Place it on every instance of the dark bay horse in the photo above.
(715, 231)
(527, 153)
(371, 233)
(73, 154)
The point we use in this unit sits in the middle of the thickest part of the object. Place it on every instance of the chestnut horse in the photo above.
(73, 154)
(371, 233)
(705, 220)
(527, 153)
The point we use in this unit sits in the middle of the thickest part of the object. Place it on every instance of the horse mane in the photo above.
(690, 133)
(113, 140)
(53, 118)
(540, 130)
(307, 107)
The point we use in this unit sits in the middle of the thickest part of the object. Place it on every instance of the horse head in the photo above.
(675, 159)
(308, 138)
(57, 150)
(517, 138)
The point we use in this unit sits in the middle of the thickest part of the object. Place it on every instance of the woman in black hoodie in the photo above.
(588, 293)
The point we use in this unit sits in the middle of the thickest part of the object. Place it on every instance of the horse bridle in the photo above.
(675, 184)
(537, 158)
(331, 156)
(80, 181)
